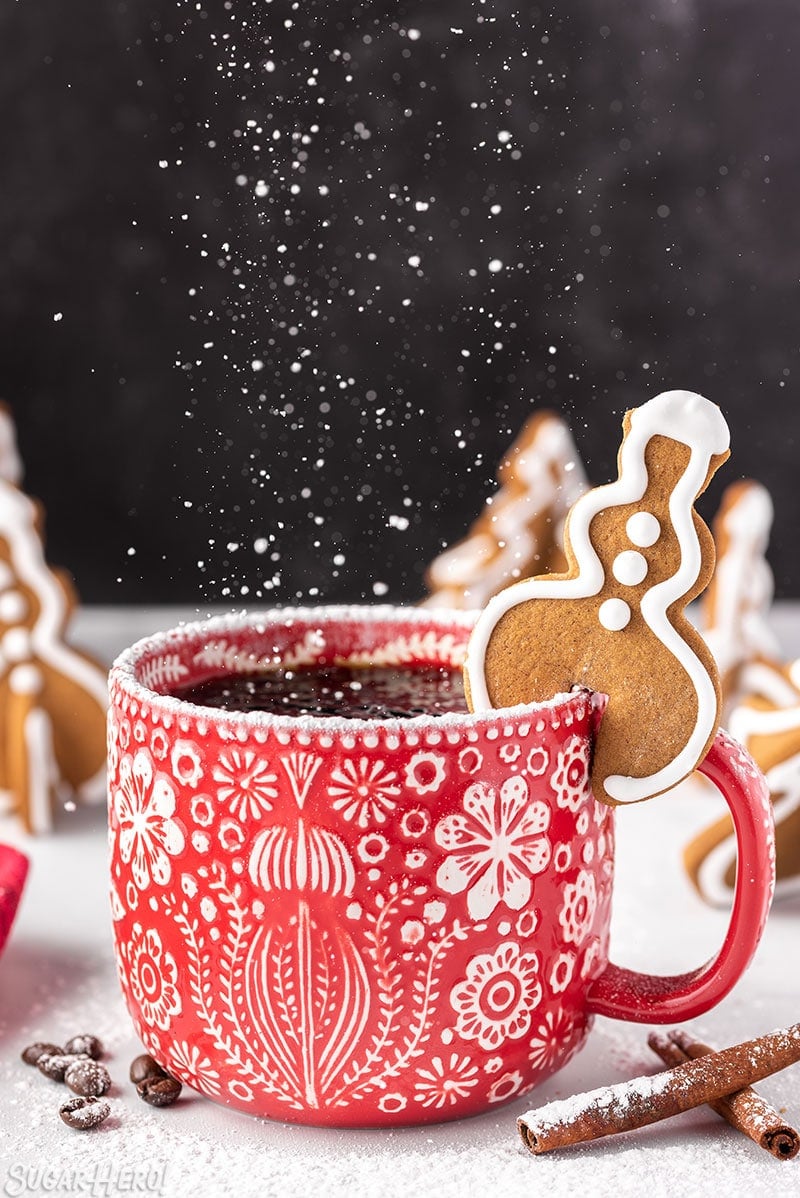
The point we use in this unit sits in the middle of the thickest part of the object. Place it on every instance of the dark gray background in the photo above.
(645, 161)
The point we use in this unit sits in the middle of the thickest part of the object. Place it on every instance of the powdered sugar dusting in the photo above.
(57, 978)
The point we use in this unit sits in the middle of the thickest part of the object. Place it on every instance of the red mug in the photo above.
(376, 922)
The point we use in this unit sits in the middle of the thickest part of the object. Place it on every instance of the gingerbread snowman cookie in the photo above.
(614, 622)
(53, 698)
(521, 529)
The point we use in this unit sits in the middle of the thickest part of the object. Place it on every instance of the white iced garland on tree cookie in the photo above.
(31, 646)
(541, 478)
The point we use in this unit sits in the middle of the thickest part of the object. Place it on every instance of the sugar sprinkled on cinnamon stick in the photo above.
(752, 1114)
(629, 1105)
(744, 1110)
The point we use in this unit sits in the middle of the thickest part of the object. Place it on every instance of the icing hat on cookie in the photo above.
(637, 554)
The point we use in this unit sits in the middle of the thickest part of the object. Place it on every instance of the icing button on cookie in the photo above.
(643, 529)
(629, 567)
(26, 679)
(614, 614)
(16, 645)
(13, 607)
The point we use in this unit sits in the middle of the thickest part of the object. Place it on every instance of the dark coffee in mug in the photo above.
(349, 692)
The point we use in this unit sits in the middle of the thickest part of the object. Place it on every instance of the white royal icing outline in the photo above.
(697, 423)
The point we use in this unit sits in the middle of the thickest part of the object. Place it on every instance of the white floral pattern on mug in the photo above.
(202, 810)
(593, 964)
(186, 764)
(444, 1084)
(144, 803)
(246, 786)
(570, 779)
(231, 836)
(372, 848)
(561, 972)
(470, 760)
(506, 1087)
(494, 1002)
(196, 1070)
(415, 823)
(580, 904)
(554, 1031)
(153, 976)
(159, 744)
(363, 790)
(425, 773)
(495, 847)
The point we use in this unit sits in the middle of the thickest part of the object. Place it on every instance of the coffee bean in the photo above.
(88, 1078)
(84, 1113)
(159, 1091)
(86, 1043)
(31, 1054)
(143, 1067)
(55, 1065)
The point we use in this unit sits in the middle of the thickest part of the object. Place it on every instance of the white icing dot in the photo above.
(643, 529)
(630, 567)
(12, 607)
(614, 614)
(25, 680)
(17, 644)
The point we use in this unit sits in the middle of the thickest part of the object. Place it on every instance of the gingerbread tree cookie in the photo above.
(735, 609)
(767, 723)
(614, 622)
(52, 698)
(521, 528)
(10, 462)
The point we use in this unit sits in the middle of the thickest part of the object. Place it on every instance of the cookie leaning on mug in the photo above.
(638, 553)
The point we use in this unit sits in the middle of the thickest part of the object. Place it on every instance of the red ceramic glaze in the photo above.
(373, 923)
(13, 872)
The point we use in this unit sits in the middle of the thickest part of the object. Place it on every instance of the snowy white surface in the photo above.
(57, 977)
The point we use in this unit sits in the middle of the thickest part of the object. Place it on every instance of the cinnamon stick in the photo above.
(756, 1118)
(744, 1110)
(628, 1105)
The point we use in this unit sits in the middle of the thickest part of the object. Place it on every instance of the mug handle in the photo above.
(645, 998)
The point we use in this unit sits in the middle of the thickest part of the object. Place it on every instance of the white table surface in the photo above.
(57, 977)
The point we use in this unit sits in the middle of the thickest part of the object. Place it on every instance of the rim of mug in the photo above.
(123, 673)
